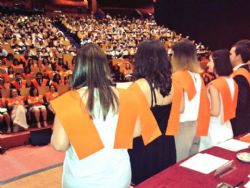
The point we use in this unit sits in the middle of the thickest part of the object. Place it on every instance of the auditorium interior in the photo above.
(39, 41)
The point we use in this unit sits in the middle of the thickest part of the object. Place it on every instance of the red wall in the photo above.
(69, 2)
(12, 3)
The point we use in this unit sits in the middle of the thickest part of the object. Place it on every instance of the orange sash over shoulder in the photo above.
(242, 72)
(229, 103)
(182, 81)
(36, 84)
(77, 124)
(149, 126)
(19, 86)
(81, 130)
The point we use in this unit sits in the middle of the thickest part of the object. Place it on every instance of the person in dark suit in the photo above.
(39, 81)
(240, 57)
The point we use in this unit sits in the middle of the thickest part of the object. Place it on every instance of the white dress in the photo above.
(185, 140)
(106, 168)
(219, 131)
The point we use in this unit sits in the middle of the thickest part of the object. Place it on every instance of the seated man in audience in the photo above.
(19, 82)
(39, 81)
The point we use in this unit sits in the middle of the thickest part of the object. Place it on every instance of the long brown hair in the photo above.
(91, 69)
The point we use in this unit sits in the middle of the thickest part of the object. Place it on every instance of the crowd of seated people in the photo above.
(32, 56)
(35, 54)
(119, 36)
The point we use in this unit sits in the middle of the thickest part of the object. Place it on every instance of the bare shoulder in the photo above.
(143, 85)
(212, 88)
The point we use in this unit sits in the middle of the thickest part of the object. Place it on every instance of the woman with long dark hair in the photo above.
(152, 72)
(94, 126)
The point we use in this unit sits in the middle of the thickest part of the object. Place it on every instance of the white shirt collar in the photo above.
(238, 66)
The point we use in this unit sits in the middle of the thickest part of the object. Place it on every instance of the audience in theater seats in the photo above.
(240, 57)
(33, 45)
(17, 109)
(223, 94)
(152, 71)
(4, 116)
(190, 114)
(118, 36)
(96, 142)
(37, 106)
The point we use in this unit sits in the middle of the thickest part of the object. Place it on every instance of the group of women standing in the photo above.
(167, 108)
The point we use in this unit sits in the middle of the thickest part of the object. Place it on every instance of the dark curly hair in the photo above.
(152, 64)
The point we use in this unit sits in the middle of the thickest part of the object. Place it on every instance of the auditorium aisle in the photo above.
(72, 38)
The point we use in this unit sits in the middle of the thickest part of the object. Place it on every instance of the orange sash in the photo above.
(149, 125)
(229, 104)
(50, 96)
(11, 101)
(6, 76)
(18, 86)
(242, 72)
(82, 132)
(5, 86)
(245, 138)
(55, 84)
(36, 100)
(36, 84)
(182, 81)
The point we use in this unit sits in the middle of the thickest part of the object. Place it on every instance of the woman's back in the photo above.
(160, 154)
(220, 130)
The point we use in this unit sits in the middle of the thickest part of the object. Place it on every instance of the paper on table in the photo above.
(234, 145)
(204, 163)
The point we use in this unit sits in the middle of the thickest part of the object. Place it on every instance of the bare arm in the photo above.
(182, 104)
(137, 130)
(59, 139)
(215, 101)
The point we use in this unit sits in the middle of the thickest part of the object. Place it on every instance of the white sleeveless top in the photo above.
(106, 168)
(191, 108)
(219, 131)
